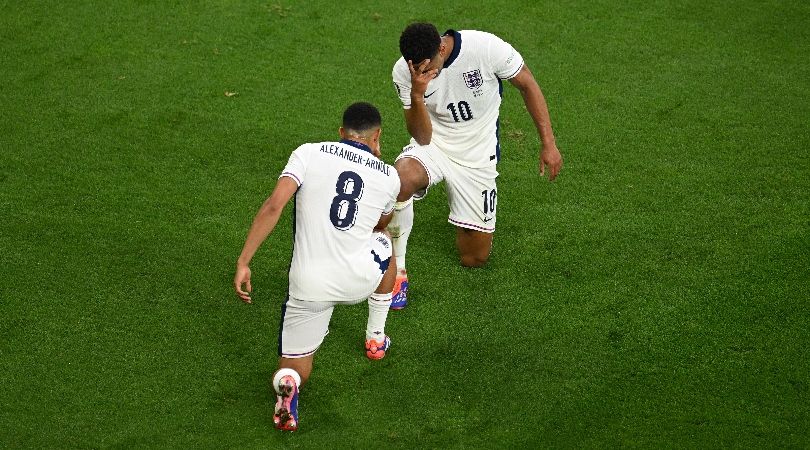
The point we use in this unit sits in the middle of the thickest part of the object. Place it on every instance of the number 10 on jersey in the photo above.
(463, 110)
(489, 201)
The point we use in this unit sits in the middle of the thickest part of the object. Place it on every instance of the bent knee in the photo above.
(474, 260)
(412, 177)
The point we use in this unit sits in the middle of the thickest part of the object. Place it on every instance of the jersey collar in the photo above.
(356, 144)
(456, 46)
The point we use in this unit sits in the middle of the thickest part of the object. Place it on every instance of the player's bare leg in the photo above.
(303, 366)
(473, 246)
(413, 178)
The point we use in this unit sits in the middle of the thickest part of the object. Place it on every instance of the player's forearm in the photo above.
(538, 109)
(418, 123)
(383, 222)
(267, 217)
(263, 224)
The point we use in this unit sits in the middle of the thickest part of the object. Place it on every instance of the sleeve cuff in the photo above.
(291, 175)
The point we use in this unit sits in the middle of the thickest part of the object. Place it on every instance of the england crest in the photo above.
(473, 79)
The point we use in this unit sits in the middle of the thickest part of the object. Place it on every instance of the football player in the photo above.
(344, 197)
(450, 86)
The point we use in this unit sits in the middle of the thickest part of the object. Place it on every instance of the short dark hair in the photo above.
(361, 116)
(419, 41)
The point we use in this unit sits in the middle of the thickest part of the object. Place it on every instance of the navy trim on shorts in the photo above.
(498, 126)
(281, 322)
(289, 269)
(471, 226)
(300, 355)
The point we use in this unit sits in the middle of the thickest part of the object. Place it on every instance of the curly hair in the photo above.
(419, 41)
(361, 116)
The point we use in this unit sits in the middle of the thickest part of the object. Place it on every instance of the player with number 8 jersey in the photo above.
(344, 199)
(346, 189)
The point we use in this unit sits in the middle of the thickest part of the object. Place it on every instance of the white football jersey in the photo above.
(342, 191)
(464, 100)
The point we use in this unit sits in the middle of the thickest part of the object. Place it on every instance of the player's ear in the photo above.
(377, 134)
(342, 133)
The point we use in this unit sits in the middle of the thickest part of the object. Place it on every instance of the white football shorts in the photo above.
(471, 192)
(305, 324)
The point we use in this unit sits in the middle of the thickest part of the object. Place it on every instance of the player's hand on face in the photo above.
(421, 76)
(241, 278)
(550, 156)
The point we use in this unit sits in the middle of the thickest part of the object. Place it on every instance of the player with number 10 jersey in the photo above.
(464, 102)
(450, 86)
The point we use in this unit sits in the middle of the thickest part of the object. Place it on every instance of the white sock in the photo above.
(400, 229)
(284, 372)
(378, 306)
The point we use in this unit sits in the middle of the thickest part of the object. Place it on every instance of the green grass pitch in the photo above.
(656, 295)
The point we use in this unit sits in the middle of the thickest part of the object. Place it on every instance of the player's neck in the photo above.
(359, 139)
(449, 43)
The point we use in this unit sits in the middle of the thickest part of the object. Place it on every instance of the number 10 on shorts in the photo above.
(489, 201)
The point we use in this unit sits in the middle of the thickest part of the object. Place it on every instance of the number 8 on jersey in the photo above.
(349, 188)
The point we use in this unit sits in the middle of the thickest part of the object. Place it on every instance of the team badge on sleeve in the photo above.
(473, 79)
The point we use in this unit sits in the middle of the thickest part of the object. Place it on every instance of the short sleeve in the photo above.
(506, 61)
(402, 82)
(394, 191)
(297, 165)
